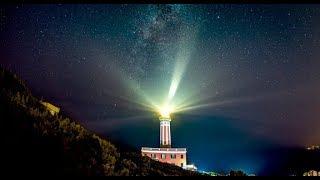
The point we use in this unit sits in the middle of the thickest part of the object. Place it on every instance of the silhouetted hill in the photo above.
(38, 143)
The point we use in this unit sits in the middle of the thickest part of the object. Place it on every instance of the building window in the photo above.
(163, 156)
(181, 164)
(153, 156)
(173, 156)
(181, 156)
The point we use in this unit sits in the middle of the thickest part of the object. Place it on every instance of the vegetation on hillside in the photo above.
(36, 142)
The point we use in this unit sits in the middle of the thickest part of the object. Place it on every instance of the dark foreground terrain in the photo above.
(38, 143)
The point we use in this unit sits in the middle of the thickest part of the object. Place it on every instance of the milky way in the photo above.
(246, 76)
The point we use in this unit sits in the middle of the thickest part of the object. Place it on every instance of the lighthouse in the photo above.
(165, 153)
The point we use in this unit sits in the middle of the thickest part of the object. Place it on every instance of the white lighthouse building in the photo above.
(167, 154)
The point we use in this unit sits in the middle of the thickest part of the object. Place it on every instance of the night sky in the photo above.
(244, 78)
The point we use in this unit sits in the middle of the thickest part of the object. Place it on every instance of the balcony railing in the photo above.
(163, 149)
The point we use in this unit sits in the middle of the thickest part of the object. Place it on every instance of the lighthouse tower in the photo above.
(165, 134)
(166, 154)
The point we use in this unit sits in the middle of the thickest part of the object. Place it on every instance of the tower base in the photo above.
(165, 146)
(175, 156)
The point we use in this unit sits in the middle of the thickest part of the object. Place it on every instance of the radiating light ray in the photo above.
(145, 103)
(231, 101)
(125, 99)
(182, 59)
(194, 98)
(149, 102)
(112, 122)
(144, 99)
(180, 67)
(206, 105)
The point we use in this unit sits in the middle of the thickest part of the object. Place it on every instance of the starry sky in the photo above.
(246, 77)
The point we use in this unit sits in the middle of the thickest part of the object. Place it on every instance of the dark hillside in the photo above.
(38, 143)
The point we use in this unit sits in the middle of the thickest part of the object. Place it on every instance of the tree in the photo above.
(237, 173)
(59, 145)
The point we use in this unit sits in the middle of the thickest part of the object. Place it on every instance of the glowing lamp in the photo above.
(165, 111)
